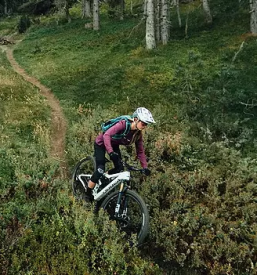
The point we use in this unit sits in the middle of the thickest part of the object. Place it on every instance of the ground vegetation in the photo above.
(201, 88)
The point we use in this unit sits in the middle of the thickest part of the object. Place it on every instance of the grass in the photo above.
(202, 149)
(111, 68)
(24, 136)
(8, 25)
(24, 119)
(28, 187)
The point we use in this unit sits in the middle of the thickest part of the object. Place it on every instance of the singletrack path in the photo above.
(59, 125)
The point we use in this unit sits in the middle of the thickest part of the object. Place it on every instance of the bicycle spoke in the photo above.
(131, 217)
(78, 190)
(81, 175)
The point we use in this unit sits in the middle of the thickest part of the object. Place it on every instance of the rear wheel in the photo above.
(81, 175)
(133, 216)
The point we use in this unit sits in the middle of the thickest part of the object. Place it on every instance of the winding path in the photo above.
(59, 125)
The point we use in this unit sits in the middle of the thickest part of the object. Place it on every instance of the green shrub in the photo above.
(204, 219)
(202, 191)
(82, 242)
(24, 24)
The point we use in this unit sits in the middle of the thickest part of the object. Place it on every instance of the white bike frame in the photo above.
(116, 179)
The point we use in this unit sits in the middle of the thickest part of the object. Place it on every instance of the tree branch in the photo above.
(236, 54)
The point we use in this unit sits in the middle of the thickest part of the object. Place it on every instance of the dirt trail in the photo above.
(59, 125)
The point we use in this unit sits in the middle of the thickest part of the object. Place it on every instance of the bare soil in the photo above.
(58, 122)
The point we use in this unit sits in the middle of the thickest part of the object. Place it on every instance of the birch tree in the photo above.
(207, 11)
(145, 8)
(164, 22)
(64, 5)
(253, 19)
(150, 26)
(86, 9)
(96, 22)
(157, 20)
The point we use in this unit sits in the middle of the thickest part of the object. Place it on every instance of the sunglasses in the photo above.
(143, 123)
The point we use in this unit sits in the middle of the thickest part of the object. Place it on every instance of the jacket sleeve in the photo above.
(117, 128)
(141, 152)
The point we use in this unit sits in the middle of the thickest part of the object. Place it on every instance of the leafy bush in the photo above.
(24, 24)
(201, 198)
(202, 191)
(62, 231)
(204, 218)
(41, 225)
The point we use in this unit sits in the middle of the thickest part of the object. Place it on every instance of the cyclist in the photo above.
(106, 143)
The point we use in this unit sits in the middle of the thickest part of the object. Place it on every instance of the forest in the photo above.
(193, 63)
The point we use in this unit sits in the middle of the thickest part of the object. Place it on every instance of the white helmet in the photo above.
(144, 115)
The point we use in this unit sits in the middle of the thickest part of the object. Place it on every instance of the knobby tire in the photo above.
(86, 165)
(141, 223)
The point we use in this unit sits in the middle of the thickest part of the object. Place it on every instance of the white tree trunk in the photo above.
(150, 31)
(86, 9)
(96, 23)
(164, 22)
(253, 19)
(157, 20)
(207, 11)
(145, 8)
(83, 8)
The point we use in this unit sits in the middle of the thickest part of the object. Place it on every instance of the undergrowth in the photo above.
(202, 151)
(41, 225)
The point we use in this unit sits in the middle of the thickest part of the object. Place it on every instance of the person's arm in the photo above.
(117, 128)
(141, 152)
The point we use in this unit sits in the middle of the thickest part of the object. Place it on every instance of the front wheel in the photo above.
(133, 216)
(81, 175)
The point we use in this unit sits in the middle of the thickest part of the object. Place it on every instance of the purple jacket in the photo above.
(135, 136)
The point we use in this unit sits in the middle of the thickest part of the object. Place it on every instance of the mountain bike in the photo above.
(124, 205)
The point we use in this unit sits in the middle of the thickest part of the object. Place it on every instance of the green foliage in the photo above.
(6, 169)
(25, 169)
(41, 225)
(202, 192)
(24, 24)
(84, 243)
(202, 207)
(229, 8)
(205, 218)
(8, 25)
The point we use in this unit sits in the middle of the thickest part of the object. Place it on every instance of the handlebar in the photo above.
(133, 168)
(129, 167)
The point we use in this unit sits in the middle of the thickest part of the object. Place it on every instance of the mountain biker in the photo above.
(106, 143)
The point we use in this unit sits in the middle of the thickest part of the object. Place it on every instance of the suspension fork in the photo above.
(123, 190)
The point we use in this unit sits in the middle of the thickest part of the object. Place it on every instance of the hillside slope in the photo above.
(202, 192)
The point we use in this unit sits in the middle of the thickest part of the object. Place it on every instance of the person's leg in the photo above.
(99, 154)
(119, 167)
